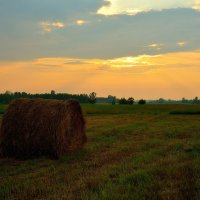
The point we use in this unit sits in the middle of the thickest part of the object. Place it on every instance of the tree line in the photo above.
(92, 98)
(131, 101)
(195, 100)
(7, 97)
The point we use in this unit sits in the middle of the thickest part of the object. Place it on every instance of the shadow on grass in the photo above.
(185, 112)
(74, 156)
(1, 112)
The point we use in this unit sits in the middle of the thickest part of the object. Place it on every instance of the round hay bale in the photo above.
(39, 127)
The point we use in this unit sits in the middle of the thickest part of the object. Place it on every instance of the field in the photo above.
(133, 152)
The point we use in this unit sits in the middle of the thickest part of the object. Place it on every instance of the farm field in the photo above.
(133, 152)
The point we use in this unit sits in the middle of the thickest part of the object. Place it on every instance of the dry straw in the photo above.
(38, 127)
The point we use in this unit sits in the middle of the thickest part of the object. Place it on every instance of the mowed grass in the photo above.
(133, 152)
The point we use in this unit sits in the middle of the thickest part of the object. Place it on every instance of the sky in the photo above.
(141, 48)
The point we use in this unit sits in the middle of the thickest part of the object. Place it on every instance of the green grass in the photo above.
(2, 109)
(133, 152)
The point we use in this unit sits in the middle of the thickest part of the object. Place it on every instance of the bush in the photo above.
(142, 102)
(123, 101)
(130, 101)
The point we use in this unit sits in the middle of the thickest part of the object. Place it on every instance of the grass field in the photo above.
(133, 152)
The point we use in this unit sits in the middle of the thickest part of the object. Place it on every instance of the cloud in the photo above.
(51, 26)
(181, 44)
(155, 46)
(179, 59)
(75, 62)
(80, 22)
(129, 7)
(196, 6)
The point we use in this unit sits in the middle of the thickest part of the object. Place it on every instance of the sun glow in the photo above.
(152, 75)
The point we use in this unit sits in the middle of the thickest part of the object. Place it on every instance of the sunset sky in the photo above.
(141, 48)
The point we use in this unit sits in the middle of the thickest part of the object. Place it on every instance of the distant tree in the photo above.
(112, 99)
(196, 100)
(123, 101)
(53, 92)
(161, 101)
(184, 100)
(92, 98)
(110, 96)
(24, 94)
(8, 96)
(142, 102)
(130, 101)
(8, 92)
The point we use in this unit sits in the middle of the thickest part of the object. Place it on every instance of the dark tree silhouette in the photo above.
(130, 101)
(53, 92)
(114, 101)
(92, 98)
(123, 101)
(196, 100)
(142, 102)
(7, 97)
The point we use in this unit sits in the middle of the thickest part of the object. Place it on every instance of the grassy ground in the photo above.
(133, 152)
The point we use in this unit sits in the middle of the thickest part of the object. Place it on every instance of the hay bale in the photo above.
(39, 127)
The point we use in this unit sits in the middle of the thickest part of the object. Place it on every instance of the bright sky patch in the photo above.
(133, 7)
